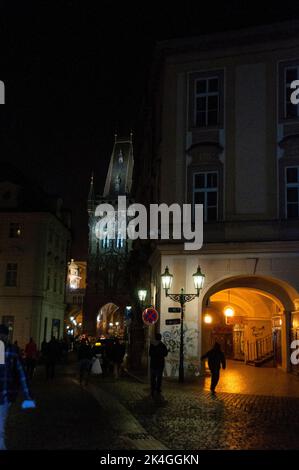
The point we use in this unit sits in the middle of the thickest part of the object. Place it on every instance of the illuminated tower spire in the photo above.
(120, 171)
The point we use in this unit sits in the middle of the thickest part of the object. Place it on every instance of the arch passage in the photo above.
(251, 318)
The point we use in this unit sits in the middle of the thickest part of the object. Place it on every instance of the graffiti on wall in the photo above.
(172, 340)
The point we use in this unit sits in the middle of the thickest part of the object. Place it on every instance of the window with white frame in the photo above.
(11, 275)
(206, 107)
(291, 110)
(205, 191)
(292, 192)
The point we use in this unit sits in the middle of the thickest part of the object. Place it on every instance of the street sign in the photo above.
(174, 309)
(150, 316)
(173, 321)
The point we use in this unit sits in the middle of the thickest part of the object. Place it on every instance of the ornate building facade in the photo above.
(108, 291)
(222, 132)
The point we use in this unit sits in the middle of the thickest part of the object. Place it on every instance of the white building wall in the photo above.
(280, 266)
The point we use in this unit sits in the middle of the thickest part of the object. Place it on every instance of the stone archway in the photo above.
(262, 310)
(110, 321)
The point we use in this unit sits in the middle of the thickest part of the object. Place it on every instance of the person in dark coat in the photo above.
(117, 353)
(31, 357)
(84, 358)
(12, 378)
(216, 359)
(52, 356)
(157, 353)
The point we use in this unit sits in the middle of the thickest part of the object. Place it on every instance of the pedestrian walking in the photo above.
(157, 353)
(52, 356)
(30, 358)
(216, 359)
(12, 377)
(85, 360)
(117, 353)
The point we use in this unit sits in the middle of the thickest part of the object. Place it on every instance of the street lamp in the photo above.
(182, 298)
(142, 293)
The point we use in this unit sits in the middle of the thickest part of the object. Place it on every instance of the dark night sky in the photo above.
(76, 71)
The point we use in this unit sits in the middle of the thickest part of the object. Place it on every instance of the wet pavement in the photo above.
(241, 378)
(66, 417)
(109, 414)
(189, 418)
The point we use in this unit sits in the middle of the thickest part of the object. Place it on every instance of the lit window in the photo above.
(206, 102)
(292, 191)
(205, 191)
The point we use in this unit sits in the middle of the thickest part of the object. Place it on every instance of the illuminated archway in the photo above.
(258, 318)
(109, 320)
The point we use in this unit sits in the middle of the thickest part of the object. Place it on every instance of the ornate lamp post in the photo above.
(182, 298)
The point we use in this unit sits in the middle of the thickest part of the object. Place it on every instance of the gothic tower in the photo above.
(107, 292)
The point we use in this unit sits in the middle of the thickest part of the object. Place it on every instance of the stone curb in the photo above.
(130, 431)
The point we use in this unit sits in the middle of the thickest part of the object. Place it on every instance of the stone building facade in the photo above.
(35, 243)
(221, 131)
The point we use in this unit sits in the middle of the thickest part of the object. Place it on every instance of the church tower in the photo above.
(107, 293)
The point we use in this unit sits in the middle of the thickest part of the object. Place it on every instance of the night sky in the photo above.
(76, 72)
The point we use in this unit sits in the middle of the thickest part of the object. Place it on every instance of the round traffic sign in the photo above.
(150, 316)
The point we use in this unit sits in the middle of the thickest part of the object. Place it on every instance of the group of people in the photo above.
(107, 355)
(52, 352)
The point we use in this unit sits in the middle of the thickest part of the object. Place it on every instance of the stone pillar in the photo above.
(286, 341)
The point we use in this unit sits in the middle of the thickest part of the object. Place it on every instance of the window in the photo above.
(11, 275)
(290, 74)
(119, 242)
(55, 331)
(206, 102)
(292, 191)
(205, 191)
(14, 230)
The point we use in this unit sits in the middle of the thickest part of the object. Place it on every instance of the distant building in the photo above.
(75, 295)
(108, 278)
(34, 249)
(222, 132)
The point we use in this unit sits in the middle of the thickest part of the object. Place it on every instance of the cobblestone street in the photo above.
(66, 417)
(112, 415)
(190, 418)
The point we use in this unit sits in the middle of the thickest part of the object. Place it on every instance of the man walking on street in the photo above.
(52, 357)
(216, 358)
(157, 353)
(31, 356)
(12, 376)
